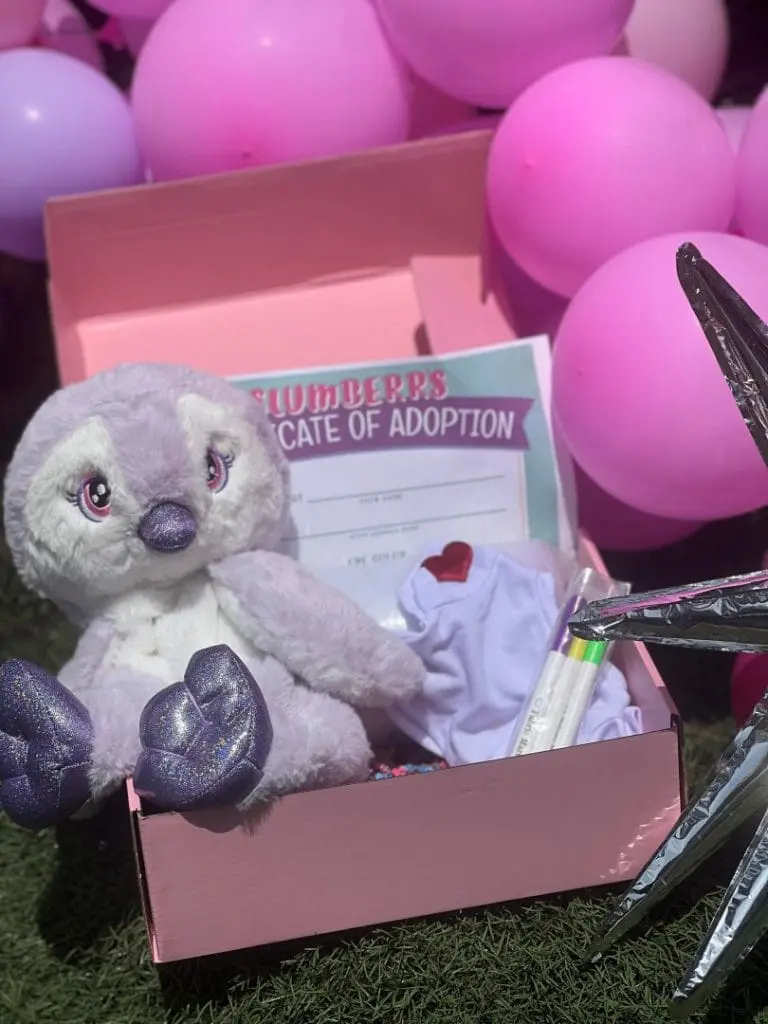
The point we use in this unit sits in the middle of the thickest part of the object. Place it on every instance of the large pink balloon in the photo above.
(600, 155)
(638, 395)
(65, 29)
(487, 51)
(221, 86)
(19, 21)
(143, 10)
(614, 526)
(690, 38)
(752, 174)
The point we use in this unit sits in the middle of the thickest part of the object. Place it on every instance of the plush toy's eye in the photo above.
(94, 497)
(217, 468)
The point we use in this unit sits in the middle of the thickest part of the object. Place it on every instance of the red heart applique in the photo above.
(452, 566)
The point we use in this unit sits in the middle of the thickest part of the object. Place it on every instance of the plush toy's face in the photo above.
(140, 476)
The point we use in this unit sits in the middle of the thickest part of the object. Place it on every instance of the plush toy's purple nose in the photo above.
(168, 527)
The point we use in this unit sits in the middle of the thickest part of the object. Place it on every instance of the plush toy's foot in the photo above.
(45, 747)
(204, 740)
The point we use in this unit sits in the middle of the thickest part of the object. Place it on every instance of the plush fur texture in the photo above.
(314, 654)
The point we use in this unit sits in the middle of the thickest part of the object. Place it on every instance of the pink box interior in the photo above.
(376, 256)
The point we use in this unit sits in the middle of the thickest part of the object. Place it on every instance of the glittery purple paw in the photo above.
(45, 747)
(204, 740)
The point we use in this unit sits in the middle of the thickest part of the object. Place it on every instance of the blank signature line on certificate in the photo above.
(357, 531)
(403, 490)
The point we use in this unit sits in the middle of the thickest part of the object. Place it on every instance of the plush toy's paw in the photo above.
(204, 740)
(45, 747)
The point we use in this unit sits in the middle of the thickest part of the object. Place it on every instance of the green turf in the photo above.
(73, 950)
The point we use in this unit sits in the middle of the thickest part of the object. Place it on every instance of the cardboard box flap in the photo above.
(268, 229)
(459, 310)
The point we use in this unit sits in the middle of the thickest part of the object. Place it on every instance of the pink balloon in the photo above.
(600, 155)
(752, 174)
(614, 526)
(65, 30)
(135, 34)
(689, 38)
(638, 395)
(432, 112)
(19, 21)
(221, 86)
(142, 10)
(487, 51)
(734, 121)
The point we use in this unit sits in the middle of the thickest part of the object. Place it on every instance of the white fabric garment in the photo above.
(483, 642)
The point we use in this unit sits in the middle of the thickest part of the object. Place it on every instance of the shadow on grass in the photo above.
(190, 987)
(745, 995)
(94, 888)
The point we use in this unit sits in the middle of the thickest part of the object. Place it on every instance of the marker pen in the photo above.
(578, 686)
(537, 728)
(564, 684)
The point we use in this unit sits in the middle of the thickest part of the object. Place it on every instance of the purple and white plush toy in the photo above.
(147, 502)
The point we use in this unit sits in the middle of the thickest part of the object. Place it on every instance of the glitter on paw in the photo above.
(45, 747)
(204, 740)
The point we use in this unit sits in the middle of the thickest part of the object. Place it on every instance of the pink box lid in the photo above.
(268, 262)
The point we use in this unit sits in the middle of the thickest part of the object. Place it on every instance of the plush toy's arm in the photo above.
(317, 633)
(79, 673)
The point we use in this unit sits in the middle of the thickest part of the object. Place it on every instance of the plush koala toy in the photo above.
(146, 502)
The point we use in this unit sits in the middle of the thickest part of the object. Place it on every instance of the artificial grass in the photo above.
(73, 948)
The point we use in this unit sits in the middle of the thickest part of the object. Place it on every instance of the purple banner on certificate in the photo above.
(447, 423)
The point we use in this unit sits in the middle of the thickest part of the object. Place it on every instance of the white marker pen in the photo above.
(537, 724)
(577, 695)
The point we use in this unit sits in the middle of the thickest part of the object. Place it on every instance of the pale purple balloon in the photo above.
(223, 86)
(614, 526)
(689, 38)
(639, 397)
(19, 21)
(142, 10)
(599, 155)
(752, 174)
(64, 129)
(65, 30)
(487, 51)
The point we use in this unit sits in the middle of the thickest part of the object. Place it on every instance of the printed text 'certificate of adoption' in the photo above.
(386, 457)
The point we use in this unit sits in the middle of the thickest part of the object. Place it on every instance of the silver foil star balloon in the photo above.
(728, 615)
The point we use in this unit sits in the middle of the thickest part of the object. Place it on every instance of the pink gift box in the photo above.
(320, 263)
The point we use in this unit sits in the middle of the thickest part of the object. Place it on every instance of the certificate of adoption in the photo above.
(388, 456)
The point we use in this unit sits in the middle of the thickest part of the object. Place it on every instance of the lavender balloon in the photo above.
(64, 129)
